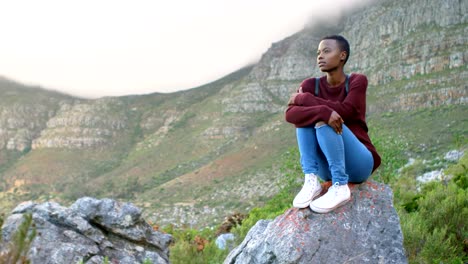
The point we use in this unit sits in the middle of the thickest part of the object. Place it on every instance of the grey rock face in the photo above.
(90, 230)
(83, 125)
(365, 230)
(19, 124)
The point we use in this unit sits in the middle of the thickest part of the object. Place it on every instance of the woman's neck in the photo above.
(334, 78)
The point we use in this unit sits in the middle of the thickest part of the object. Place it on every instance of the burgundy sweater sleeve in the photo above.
(301, 115)
(351, 108)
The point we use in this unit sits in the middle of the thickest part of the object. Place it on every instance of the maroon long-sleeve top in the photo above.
(309, 109)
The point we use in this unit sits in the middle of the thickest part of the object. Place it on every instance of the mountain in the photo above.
(194, 156)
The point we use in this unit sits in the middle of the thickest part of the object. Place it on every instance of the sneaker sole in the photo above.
(326, 210)
(306, 204)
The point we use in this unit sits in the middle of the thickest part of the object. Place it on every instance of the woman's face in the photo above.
(329, 55)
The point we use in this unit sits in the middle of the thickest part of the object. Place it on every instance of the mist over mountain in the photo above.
(191, 157)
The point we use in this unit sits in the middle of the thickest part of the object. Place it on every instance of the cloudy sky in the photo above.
(95, 48)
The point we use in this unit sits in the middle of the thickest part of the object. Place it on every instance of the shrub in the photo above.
(194, 246)
(434, 226)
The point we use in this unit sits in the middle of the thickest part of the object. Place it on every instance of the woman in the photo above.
(331, 129)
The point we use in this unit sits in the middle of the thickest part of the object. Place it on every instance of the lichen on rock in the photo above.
(365, 230)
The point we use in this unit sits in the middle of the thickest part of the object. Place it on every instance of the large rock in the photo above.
(89, 231)
(365, 230)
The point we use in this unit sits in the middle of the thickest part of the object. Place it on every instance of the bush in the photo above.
(433, 221)
(185, 251)
(194, 246)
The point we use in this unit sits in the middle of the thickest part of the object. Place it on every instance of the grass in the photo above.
(425, 132)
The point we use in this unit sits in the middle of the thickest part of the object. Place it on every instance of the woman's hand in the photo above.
(336, 122)
(292, 98)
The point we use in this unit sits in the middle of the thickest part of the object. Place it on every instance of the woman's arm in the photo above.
(351, 108)
(302, 116)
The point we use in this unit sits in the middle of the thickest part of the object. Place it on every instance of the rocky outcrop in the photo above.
(89, 231)
(19, 124)
(161, 124)
(365, 230)
(84, 125)
(250, 98)
(24, 112)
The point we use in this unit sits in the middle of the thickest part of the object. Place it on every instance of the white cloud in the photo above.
(98, 48)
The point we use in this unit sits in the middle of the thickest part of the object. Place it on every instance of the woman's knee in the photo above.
(319, 124)
(360, 170)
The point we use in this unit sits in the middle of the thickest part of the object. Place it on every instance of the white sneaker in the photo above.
(336, 196)
(309, 191)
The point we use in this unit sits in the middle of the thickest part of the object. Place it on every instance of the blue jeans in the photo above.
(337, 158)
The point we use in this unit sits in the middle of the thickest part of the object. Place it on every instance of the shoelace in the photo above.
(335, 187)
(311, 182)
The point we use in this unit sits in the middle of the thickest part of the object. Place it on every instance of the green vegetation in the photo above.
(195, 247)
(421, 133)
(16, 250)
(7, 159)
(433, 220)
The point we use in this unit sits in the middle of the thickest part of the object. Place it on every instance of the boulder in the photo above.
(224, 241)
(89, 231)
(365, 230)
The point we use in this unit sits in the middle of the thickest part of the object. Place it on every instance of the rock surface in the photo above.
(89, 231)
(84, 125)
(365, 230)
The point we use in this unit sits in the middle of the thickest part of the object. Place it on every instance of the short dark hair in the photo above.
(342, 42)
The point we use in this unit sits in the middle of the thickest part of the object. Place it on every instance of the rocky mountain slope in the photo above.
(193, 156)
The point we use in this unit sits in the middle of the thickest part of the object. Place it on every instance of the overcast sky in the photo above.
(95, 48)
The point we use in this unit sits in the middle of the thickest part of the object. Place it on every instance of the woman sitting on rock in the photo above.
(329, 115)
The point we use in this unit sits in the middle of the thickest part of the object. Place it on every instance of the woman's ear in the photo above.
(343, 55)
